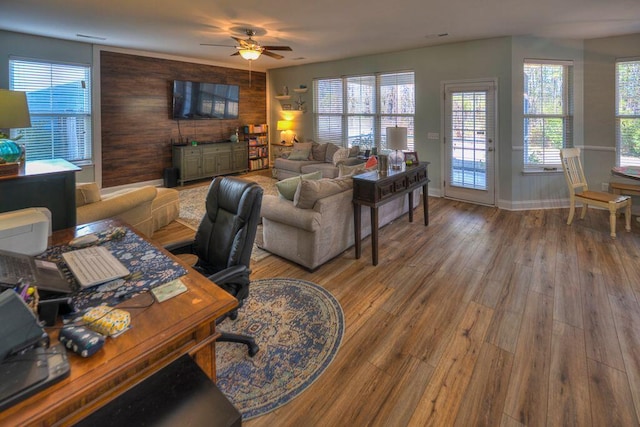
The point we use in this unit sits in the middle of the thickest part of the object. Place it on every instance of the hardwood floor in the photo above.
(486, 317)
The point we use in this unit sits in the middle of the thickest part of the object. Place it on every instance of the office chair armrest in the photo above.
(180, 247)
(228, 274)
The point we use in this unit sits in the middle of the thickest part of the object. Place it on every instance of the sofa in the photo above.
(318, 224)
(146, 208)
(308, 157)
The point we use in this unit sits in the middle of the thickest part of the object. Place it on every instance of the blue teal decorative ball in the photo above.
(9, 151)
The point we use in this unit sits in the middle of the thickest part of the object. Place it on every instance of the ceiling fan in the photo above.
(250, 49)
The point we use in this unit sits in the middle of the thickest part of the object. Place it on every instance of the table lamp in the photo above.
(14, 113)
(286, 136)
(397, 140)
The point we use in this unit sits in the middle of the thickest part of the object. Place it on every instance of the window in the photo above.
(628, 112)
(548, 109)
(59, 97)
(356, 110)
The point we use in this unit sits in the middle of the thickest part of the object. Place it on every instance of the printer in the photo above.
(25, 231)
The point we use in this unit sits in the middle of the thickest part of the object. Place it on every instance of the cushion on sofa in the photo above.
(319, 151)
(309, 191)
(371, 162)
(339, 155)
(301, 151)
(354, 151)
(346, 170)
(87, 193)
(287, 187)
(331, 150)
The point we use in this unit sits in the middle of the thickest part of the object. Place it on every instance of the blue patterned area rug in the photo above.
(298, 326)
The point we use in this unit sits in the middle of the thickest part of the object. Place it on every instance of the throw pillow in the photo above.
(287, 187)
(346, 170)
(301, 151)
(331, 150)
(339, 155)
(87, 193)
(371, 162)
(354, 151)
(309, 192)
(319, 151)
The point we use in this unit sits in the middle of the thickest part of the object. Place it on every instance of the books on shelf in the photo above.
(256, 152)
(258, 140)
(262, 128)
(261, 163)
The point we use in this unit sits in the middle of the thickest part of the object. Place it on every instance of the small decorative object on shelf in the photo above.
(411, 158)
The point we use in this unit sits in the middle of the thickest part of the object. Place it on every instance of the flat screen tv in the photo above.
(199, 100)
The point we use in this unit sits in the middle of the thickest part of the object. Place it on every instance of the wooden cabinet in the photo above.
(208, 160)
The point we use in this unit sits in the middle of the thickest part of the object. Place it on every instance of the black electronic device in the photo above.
(19, 327)
(44, 274)
(26, 373)
(201, 101)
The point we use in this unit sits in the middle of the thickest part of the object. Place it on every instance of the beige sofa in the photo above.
(310, 237)
(146, 208)
(309, 157)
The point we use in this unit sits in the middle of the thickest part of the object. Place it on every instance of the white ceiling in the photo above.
(316, 30)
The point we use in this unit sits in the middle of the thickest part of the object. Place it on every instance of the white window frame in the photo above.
(624, 157)
(341, 114)
(551, 159)
(61, 120)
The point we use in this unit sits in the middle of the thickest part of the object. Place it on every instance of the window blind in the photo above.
(59, 98)
(358, 109)
(628, 112)
(328, 108)
(548, 109)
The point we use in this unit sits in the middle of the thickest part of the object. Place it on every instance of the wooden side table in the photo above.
(374, 189)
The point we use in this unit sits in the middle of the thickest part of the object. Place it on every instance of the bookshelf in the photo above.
(258, 144)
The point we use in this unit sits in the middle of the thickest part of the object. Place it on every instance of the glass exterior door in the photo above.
(469, 142)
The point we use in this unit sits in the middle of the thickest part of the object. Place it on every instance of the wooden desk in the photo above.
(373, 189)
(159, 335)
(43, 183)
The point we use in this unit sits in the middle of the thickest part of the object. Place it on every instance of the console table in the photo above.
(49, 184)
(374, 189)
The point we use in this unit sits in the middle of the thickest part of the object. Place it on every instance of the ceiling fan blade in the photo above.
(277, 48)
(235, 54)
(214, 44)
(271, 54)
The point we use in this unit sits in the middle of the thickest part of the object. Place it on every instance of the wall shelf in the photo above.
(283, 97)
(301, 90)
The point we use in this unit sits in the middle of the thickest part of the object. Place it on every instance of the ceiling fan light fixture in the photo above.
(250, 54)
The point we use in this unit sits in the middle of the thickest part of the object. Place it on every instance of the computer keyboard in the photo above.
(94, 265)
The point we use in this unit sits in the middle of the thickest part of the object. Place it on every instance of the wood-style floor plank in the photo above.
(540, 300)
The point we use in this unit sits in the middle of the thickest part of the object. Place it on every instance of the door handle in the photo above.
(489, 149)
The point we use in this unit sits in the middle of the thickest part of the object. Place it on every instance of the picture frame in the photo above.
(411, 158)
(286, 107)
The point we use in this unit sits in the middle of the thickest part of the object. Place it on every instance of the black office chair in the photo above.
(224, 241)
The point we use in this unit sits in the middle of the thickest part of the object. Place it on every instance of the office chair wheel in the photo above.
(253, 349)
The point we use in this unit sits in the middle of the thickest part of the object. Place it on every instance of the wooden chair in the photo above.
(574, 175)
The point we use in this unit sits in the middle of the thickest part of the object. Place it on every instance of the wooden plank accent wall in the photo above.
(137, 128)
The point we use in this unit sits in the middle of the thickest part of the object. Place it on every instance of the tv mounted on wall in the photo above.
(200, 101)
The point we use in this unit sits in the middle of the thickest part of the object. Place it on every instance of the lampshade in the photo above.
(285, 125)
(14, 111)
(397, 138)
(250, 54)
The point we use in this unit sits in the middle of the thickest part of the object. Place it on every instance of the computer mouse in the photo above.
(86, 240)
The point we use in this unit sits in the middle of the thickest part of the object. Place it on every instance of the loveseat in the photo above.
(318, 224)
(146, 208)
(308, 157)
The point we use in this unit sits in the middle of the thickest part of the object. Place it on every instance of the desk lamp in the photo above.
(397, 140)
(14, 113)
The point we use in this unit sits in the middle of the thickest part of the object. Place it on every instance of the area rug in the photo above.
(192, 208)
(298, 326)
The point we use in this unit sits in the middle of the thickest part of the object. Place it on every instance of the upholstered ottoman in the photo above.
(165, 207)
